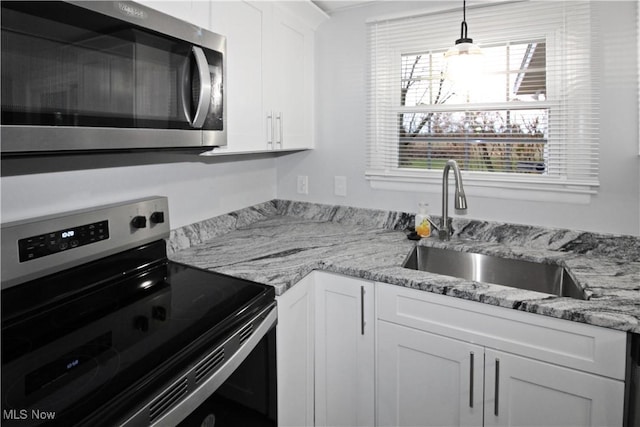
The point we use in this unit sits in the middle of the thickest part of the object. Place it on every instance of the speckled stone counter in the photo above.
(279, 242)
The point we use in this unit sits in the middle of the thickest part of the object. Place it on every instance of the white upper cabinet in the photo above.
(269, 73)
(246, 25)
(291, 99)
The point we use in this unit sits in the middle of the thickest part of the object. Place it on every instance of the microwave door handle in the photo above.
(185, 90)
(205, 87)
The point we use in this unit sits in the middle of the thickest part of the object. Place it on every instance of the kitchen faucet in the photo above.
(445, 231)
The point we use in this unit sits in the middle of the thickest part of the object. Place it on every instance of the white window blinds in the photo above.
(528, 117)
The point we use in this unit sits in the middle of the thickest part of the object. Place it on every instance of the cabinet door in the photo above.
(292, 70)
(426, 379)
(533, 393)
(295, 347)
(344, 351)
(247, 27)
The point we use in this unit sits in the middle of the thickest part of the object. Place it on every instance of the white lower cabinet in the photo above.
(325, 345)
(533, 393)
(427, 378)
(295, 347)
(430, 380)
(355, 353)
(344, 349)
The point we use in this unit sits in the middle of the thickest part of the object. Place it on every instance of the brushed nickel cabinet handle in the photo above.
(471, 380)
(269, 128)
(496, 403)
(280, 139)
(362, 310)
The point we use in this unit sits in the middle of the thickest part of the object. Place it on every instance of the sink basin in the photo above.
(547, 278)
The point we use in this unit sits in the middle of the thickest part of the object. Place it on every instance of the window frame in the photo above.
(559, 183)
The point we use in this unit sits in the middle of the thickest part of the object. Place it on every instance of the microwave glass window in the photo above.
(85, 69)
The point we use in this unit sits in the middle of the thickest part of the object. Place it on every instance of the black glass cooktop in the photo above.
(92, 342)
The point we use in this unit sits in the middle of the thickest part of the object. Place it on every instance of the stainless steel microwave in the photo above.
(108, 75)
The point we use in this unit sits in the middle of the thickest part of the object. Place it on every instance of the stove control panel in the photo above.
(35, 247)
(61, 240)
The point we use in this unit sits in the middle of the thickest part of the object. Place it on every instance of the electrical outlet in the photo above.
(340, 186)
(303, 184)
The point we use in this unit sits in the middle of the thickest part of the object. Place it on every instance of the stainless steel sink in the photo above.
(547, 278)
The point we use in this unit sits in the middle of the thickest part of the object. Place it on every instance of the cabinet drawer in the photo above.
(575, 345)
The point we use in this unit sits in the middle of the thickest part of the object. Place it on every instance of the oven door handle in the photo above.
(209, 385)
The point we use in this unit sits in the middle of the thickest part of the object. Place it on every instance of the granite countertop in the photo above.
(279, 242)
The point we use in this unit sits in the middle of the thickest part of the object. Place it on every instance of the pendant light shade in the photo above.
(464, 59)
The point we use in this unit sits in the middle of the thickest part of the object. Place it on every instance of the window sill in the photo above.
(496, 186)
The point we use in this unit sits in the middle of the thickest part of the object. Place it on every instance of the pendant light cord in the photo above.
(463, 26)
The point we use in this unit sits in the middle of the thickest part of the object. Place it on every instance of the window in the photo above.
(529, 120)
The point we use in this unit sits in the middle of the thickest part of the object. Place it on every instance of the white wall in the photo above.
(196, 190)
(340, 128)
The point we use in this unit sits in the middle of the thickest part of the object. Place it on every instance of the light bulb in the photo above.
(464, 65)
(464, 59)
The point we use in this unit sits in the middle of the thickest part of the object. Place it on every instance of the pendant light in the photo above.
(463, 61)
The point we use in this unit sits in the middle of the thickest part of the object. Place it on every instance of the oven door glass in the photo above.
(64, 65)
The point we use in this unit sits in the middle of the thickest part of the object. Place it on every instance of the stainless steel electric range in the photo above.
(99, 328)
